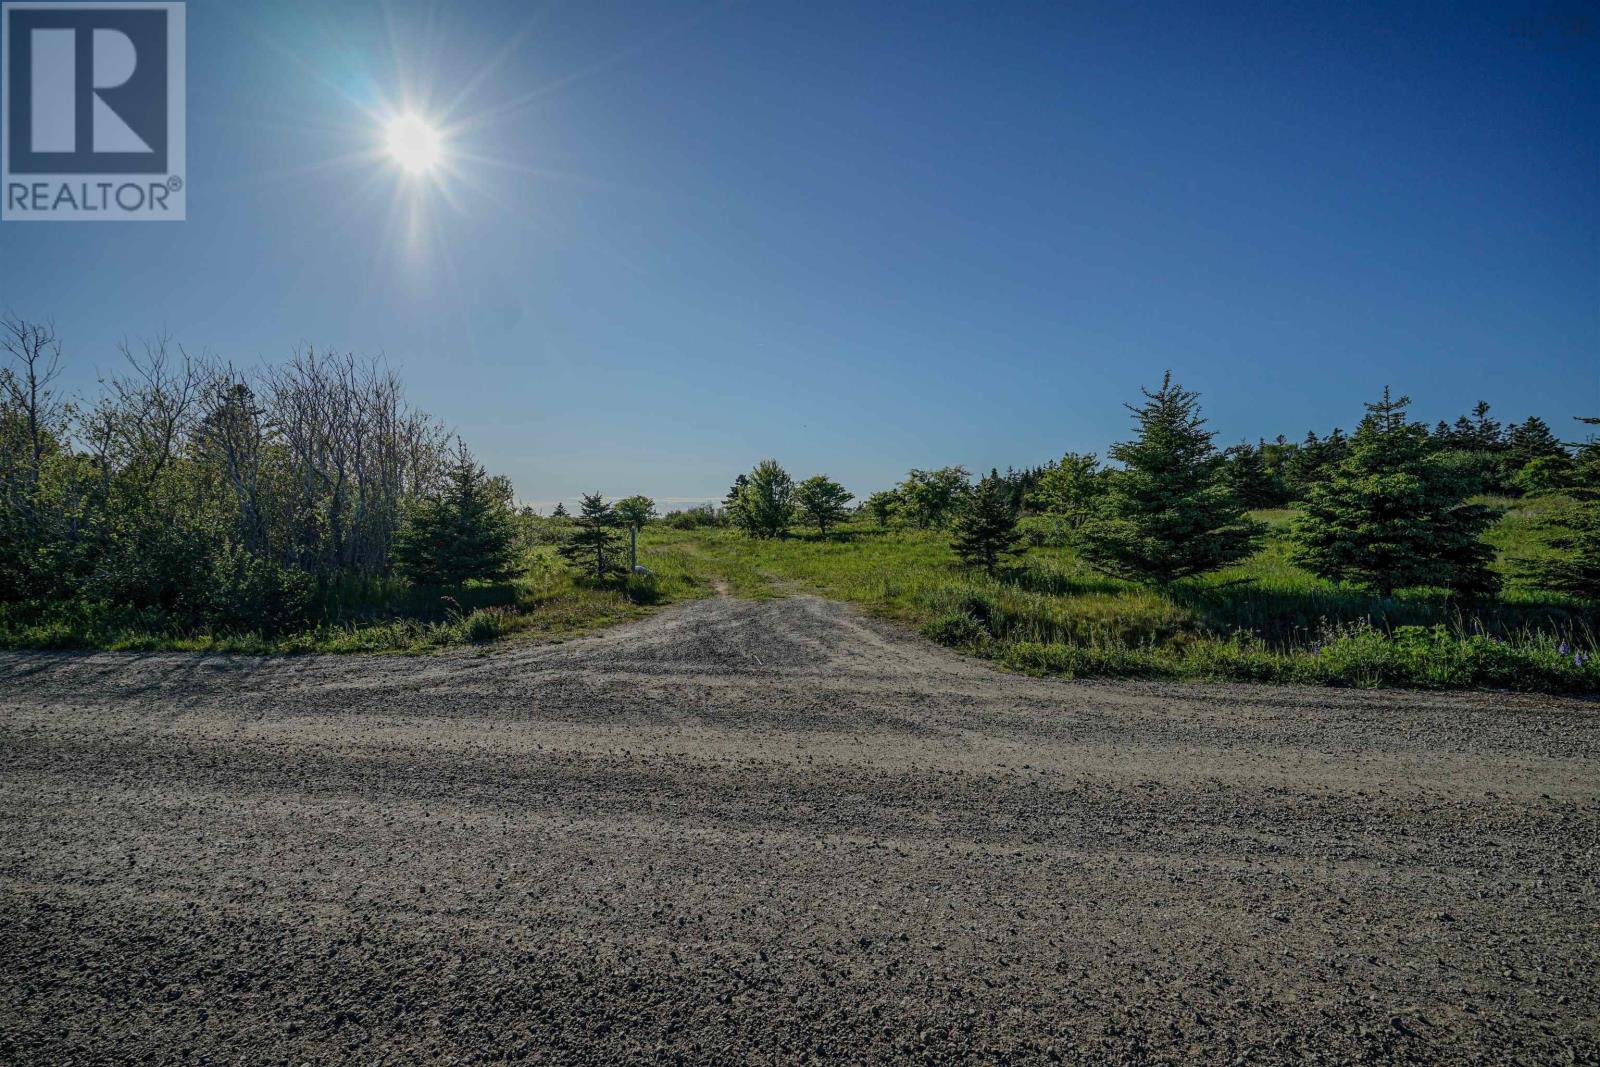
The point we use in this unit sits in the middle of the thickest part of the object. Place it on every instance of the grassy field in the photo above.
(1049, 613)
(1265, 620)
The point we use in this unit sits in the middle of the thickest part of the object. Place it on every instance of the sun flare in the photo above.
(413, 143)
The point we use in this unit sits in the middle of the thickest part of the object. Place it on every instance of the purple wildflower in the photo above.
(1563, 649)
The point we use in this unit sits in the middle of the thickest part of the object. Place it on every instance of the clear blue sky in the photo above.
(677, 238)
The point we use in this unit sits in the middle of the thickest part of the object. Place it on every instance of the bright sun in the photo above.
(413, 143)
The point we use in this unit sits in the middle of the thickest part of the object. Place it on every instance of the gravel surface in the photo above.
(772, 831)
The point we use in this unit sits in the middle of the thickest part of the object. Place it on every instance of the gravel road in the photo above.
(771, 831)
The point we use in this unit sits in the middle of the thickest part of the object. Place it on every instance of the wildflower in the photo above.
(1563, 649)
(1578, 658)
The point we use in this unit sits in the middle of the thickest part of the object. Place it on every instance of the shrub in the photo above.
(484, 625)
(956, 631)
(703, 517)
(243, 592)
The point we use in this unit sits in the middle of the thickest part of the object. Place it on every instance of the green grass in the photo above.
(548, 603)
(1265, 620)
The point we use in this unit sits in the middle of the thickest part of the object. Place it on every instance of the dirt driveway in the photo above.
(766, 831)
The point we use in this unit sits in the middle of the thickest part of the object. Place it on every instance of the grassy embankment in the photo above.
(1265, 620)
(548, 602)
(1049, 613)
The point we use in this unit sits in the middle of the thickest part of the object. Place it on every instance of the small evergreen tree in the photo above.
(986, 526)
(593, 545)
(1168, 513)
(1534, 458)
(822, 502)
(1394, 513)
(764, 504)
(882, 505)
(560, 512)
(635, 512)
(1068, 489)
(465, 533)
(1245, 470)
(1575, 532)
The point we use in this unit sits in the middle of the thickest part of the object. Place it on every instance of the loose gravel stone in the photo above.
(776, 832)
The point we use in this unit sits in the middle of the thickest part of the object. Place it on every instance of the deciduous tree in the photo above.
(930, 498)
(822, 502)
(634, 512)
(1068, 489)
(881, 506)
(763, 505)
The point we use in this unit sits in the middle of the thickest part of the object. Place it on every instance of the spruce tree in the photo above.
(593, 546)
(822, 502)
(1168, 513)
(464, 533)
(986, 526)
(1394, 513)
(1245, 470)
(1574, 533)
(1534, 458)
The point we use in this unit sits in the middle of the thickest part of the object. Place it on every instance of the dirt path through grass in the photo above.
(766, 830)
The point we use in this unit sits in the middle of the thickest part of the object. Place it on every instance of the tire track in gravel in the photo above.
(772, 831)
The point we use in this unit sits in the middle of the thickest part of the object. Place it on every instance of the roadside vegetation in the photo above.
(308, 507)
(1464, 556)
(304, 506)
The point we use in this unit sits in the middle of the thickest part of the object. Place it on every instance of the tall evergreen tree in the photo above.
(1486, 432)
(986, 526)
(1531, 439)
(594, 546)
(465, 533)
(1394, 514)
(1168, 513)
(822, 502)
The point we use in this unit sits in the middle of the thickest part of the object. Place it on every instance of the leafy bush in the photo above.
(703, 517)
(1045, 531)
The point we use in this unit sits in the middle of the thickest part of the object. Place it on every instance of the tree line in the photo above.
(1388, 507)
(208, 495)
